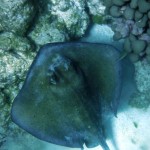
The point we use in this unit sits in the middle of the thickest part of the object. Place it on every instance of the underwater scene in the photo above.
(74, 74)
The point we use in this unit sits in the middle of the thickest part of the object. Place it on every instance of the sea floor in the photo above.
(130, 132)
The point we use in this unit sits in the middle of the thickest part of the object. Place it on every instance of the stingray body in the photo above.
(66, 89)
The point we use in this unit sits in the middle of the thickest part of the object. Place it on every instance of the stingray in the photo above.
(67, 89)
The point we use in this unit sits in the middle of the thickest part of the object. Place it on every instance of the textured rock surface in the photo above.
(16, 15)
(141, 99)
(13, 67)
(46, 31)
(96, 7)
(72, 14)
(96, 10)
(12, 42)
(15, 58)
(59, 20)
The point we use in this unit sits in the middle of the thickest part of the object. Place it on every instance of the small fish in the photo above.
(67, 88)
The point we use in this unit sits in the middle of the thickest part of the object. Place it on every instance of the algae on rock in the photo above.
(46, 30)
(16, 16)
(96, 10)
(12, 42)
(15, 58)
(58, 21)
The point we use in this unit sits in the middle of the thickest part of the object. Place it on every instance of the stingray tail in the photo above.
(103, 143)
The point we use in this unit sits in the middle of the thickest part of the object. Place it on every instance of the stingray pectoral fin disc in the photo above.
(60, 99)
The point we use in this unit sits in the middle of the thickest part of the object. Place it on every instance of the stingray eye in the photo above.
(52, 77)
(57, 70)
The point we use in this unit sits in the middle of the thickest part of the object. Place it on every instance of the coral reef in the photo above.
(96, 7)
(64, 19)
(46, 31)
(16, 55)
(10, 42)
(96, 10)
(16, 16)
(131, 22)
(15, 58)
(72, 14)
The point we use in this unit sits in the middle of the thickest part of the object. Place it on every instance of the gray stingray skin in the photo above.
(65, 91)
